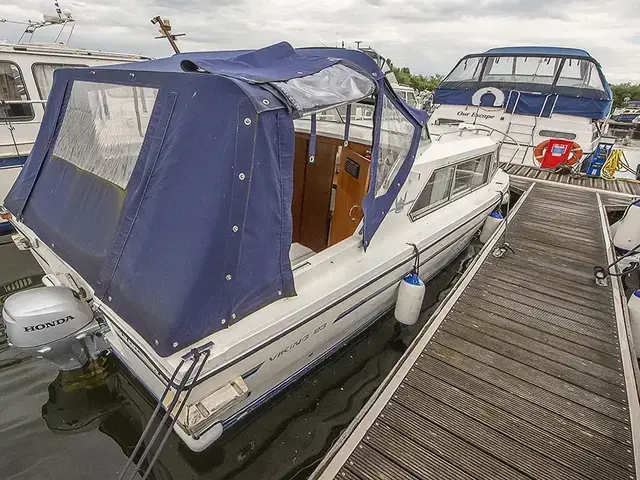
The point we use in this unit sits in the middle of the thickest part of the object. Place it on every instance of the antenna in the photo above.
(61, 18)
(165, 30)
(358, 42)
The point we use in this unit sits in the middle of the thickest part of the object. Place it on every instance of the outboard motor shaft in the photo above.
(53, 323)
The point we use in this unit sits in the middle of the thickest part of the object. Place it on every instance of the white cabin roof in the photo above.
(59, 50)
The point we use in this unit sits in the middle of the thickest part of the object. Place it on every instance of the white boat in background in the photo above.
(548, 104)
(294, 214)
(26, 76)
(406, 93)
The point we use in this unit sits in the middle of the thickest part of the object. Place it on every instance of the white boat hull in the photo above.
(273, 367)
(340, 292)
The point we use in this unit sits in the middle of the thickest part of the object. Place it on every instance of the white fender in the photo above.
(497, 93)
(634, 319)
(409, 303)
(491, 224)
(627, 231)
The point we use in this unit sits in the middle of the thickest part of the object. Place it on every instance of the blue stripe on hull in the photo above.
(8, 162)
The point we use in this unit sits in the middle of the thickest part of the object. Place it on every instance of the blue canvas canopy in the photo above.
(167, 184)
(538, 81)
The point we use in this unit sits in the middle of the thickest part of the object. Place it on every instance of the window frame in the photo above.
(466, 191)
(60, 65)
(416, 215)
(26, 91)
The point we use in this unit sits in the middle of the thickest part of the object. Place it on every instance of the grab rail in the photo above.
(11, 128)
(554, 105)
(515, 105)
(20, 102)
(544, 105)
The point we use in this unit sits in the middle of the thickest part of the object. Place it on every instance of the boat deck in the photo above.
(524, 372)
(625, 187)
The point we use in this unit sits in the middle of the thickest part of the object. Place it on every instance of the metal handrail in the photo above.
(554, 105)
(544, 104)
(515, 105)
(492, 129)
(21, 102)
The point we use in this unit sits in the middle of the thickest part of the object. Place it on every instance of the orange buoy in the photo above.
(573, 155)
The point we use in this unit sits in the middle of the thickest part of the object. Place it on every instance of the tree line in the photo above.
(417, 82)
(624, 90)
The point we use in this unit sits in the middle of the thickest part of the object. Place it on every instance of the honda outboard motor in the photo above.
(53, 323)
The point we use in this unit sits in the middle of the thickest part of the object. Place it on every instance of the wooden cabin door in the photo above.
(316, 198)
(351, 189)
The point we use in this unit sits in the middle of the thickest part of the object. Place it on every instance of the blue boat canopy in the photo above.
(167, 184)
(532, 80)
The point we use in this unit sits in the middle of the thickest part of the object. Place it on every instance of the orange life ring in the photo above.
(574, 156)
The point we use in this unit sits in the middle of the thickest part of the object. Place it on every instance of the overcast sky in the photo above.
(428, 36)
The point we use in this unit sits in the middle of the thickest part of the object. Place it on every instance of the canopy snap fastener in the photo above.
(247, 121)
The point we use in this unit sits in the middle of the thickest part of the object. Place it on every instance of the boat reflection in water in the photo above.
(284, 439)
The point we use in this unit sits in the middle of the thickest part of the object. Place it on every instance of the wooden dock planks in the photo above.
(523, 378)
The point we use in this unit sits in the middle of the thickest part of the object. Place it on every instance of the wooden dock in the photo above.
(621, 187)
(524, 372)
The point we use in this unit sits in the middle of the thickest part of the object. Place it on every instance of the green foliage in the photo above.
(623, 90)
(417, 82)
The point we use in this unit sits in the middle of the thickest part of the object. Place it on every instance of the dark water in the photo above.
(84, 424)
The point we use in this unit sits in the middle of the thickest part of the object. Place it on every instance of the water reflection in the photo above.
(95, 415)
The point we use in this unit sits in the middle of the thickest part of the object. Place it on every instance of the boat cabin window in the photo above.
(103, 138)
(436, 191)
(580, 74)
(43, 75)
(470, 175)
(467, 70)
(450, 183)
(13, 90)
(408, 96)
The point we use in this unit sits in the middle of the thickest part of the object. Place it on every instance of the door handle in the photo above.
(351, 211)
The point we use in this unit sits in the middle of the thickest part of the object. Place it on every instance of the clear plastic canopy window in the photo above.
(396, 135)
(331, 87)
(580, 74)
(103, 128)
(467, 70)
(540, 70)
(576, 73)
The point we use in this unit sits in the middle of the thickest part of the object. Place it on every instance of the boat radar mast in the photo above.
(62, 19)
(165, 31)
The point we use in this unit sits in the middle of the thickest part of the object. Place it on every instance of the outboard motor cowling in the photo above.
(53, 323)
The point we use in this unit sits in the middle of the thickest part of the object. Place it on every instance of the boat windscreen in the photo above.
(580, 74)
(468, 70)
(528, 73)
(531, 70)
